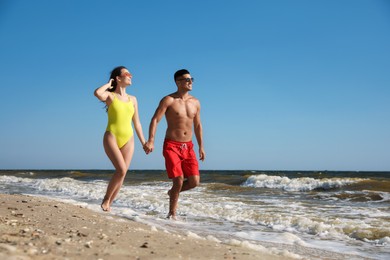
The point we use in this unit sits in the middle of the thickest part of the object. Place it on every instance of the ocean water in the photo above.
(287, 211)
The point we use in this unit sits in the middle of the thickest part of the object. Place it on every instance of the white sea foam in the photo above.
(260, 248)
(213, 239)
(12, 179)
(296, 184)
(142, 201)
(153, 229)
(193, 235)
(208, 213)
(384, 241)
(293, 239)
(28, 173)
(384, 195)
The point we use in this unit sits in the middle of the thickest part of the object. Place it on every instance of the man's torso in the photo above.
(180, 116)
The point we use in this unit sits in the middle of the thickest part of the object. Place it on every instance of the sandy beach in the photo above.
(39, 228)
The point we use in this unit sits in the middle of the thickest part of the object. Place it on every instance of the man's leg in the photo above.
(190, 183)
(177, 185)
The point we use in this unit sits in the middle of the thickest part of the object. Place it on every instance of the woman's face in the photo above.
(125, 77)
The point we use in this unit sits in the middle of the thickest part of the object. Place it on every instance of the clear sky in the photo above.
(284, 85)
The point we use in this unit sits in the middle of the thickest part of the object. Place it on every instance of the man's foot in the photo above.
(171, 216)
(105, 205)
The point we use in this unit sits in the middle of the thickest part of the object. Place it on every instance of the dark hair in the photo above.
(180, 73)
(115, 73)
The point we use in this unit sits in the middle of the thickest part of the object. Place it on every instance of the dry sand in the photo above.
(39, 228)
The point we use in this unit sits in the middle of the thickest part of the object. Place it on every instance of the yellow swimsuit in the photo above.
(120, 115)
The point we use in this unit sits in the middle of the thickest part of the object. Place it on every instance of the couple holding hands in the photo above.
(182, 112)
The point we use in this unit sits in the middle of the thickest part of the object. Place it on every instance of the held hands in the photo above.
(148, 147)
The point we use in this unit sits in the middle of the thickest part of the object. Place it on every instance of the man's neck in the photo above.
(183, 94)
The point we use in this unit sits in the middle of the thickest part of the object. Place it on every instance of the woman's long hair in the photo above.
(114, 73)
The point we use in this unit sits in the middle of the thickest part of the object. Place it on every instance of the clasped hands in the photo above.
(148, 147)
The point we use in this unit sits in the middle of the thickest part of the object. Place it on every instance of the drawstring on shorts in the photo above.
(183, 147)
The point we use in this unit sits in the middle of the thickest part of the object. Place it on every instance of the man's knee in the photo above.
(178, 181)
(193, 181)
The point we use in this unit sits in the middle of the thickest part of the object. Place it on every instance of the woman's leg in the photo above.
(127, 152)
(120, 158)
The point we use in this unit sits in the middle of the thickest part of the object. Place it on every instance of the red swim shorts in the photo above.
(180, 159)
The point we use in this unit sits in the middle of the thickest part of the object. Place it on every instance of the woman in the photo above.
(118, 140)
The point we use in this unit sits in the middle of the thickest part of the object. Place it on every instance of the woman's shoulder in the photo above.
(110, 97)
(132, 98)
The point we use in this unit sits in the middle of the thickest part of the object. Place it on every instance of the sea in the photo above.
(308, 214)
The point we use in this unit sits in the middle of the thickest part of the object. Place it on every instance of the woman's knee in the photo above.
(121, 172)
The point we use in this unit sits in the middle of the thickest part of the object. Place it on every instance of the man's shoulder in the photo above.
(169, 97)
(167, 100)
(194, 99)
(174, 96)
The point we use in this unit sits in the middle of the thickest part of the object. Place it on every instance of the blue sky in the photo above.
(284, 85)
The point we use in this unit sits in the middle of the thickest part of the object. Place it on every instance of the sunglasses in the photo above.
(188, 79)
(126, 74)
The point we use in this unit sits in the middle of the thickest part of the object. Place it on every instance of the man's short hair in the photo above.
(180, 73)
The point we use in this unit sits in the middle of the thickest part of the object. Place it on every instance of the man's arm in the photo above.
(199, 134)
(158, 114)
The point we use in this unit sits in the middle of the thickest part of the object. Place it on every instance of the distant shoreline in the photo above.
(205, 170)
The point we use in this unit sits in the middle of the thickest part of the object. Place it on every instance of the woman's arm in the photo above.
(137, 122)
(101, 93)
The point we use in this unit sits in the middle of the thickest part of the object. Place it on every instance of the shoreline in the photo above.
(40, 228)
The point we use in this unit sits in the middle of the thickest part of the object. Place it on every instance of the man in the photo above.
(182, 112)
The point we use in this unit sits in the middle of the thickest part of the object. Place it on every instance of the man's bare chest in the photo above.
(182, 110)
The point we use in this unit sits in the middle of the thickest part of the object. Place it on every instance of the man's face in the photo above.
(185, 81)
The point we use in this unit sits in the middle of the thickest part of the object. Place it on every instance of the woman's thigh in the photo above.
(113, 152)
(128, 151)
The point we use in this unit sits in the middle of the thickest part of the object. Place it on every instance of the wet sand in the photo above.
(39, 228)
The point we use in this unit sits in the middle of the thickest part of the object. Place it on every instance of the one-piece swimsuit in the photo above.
(120, 115)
